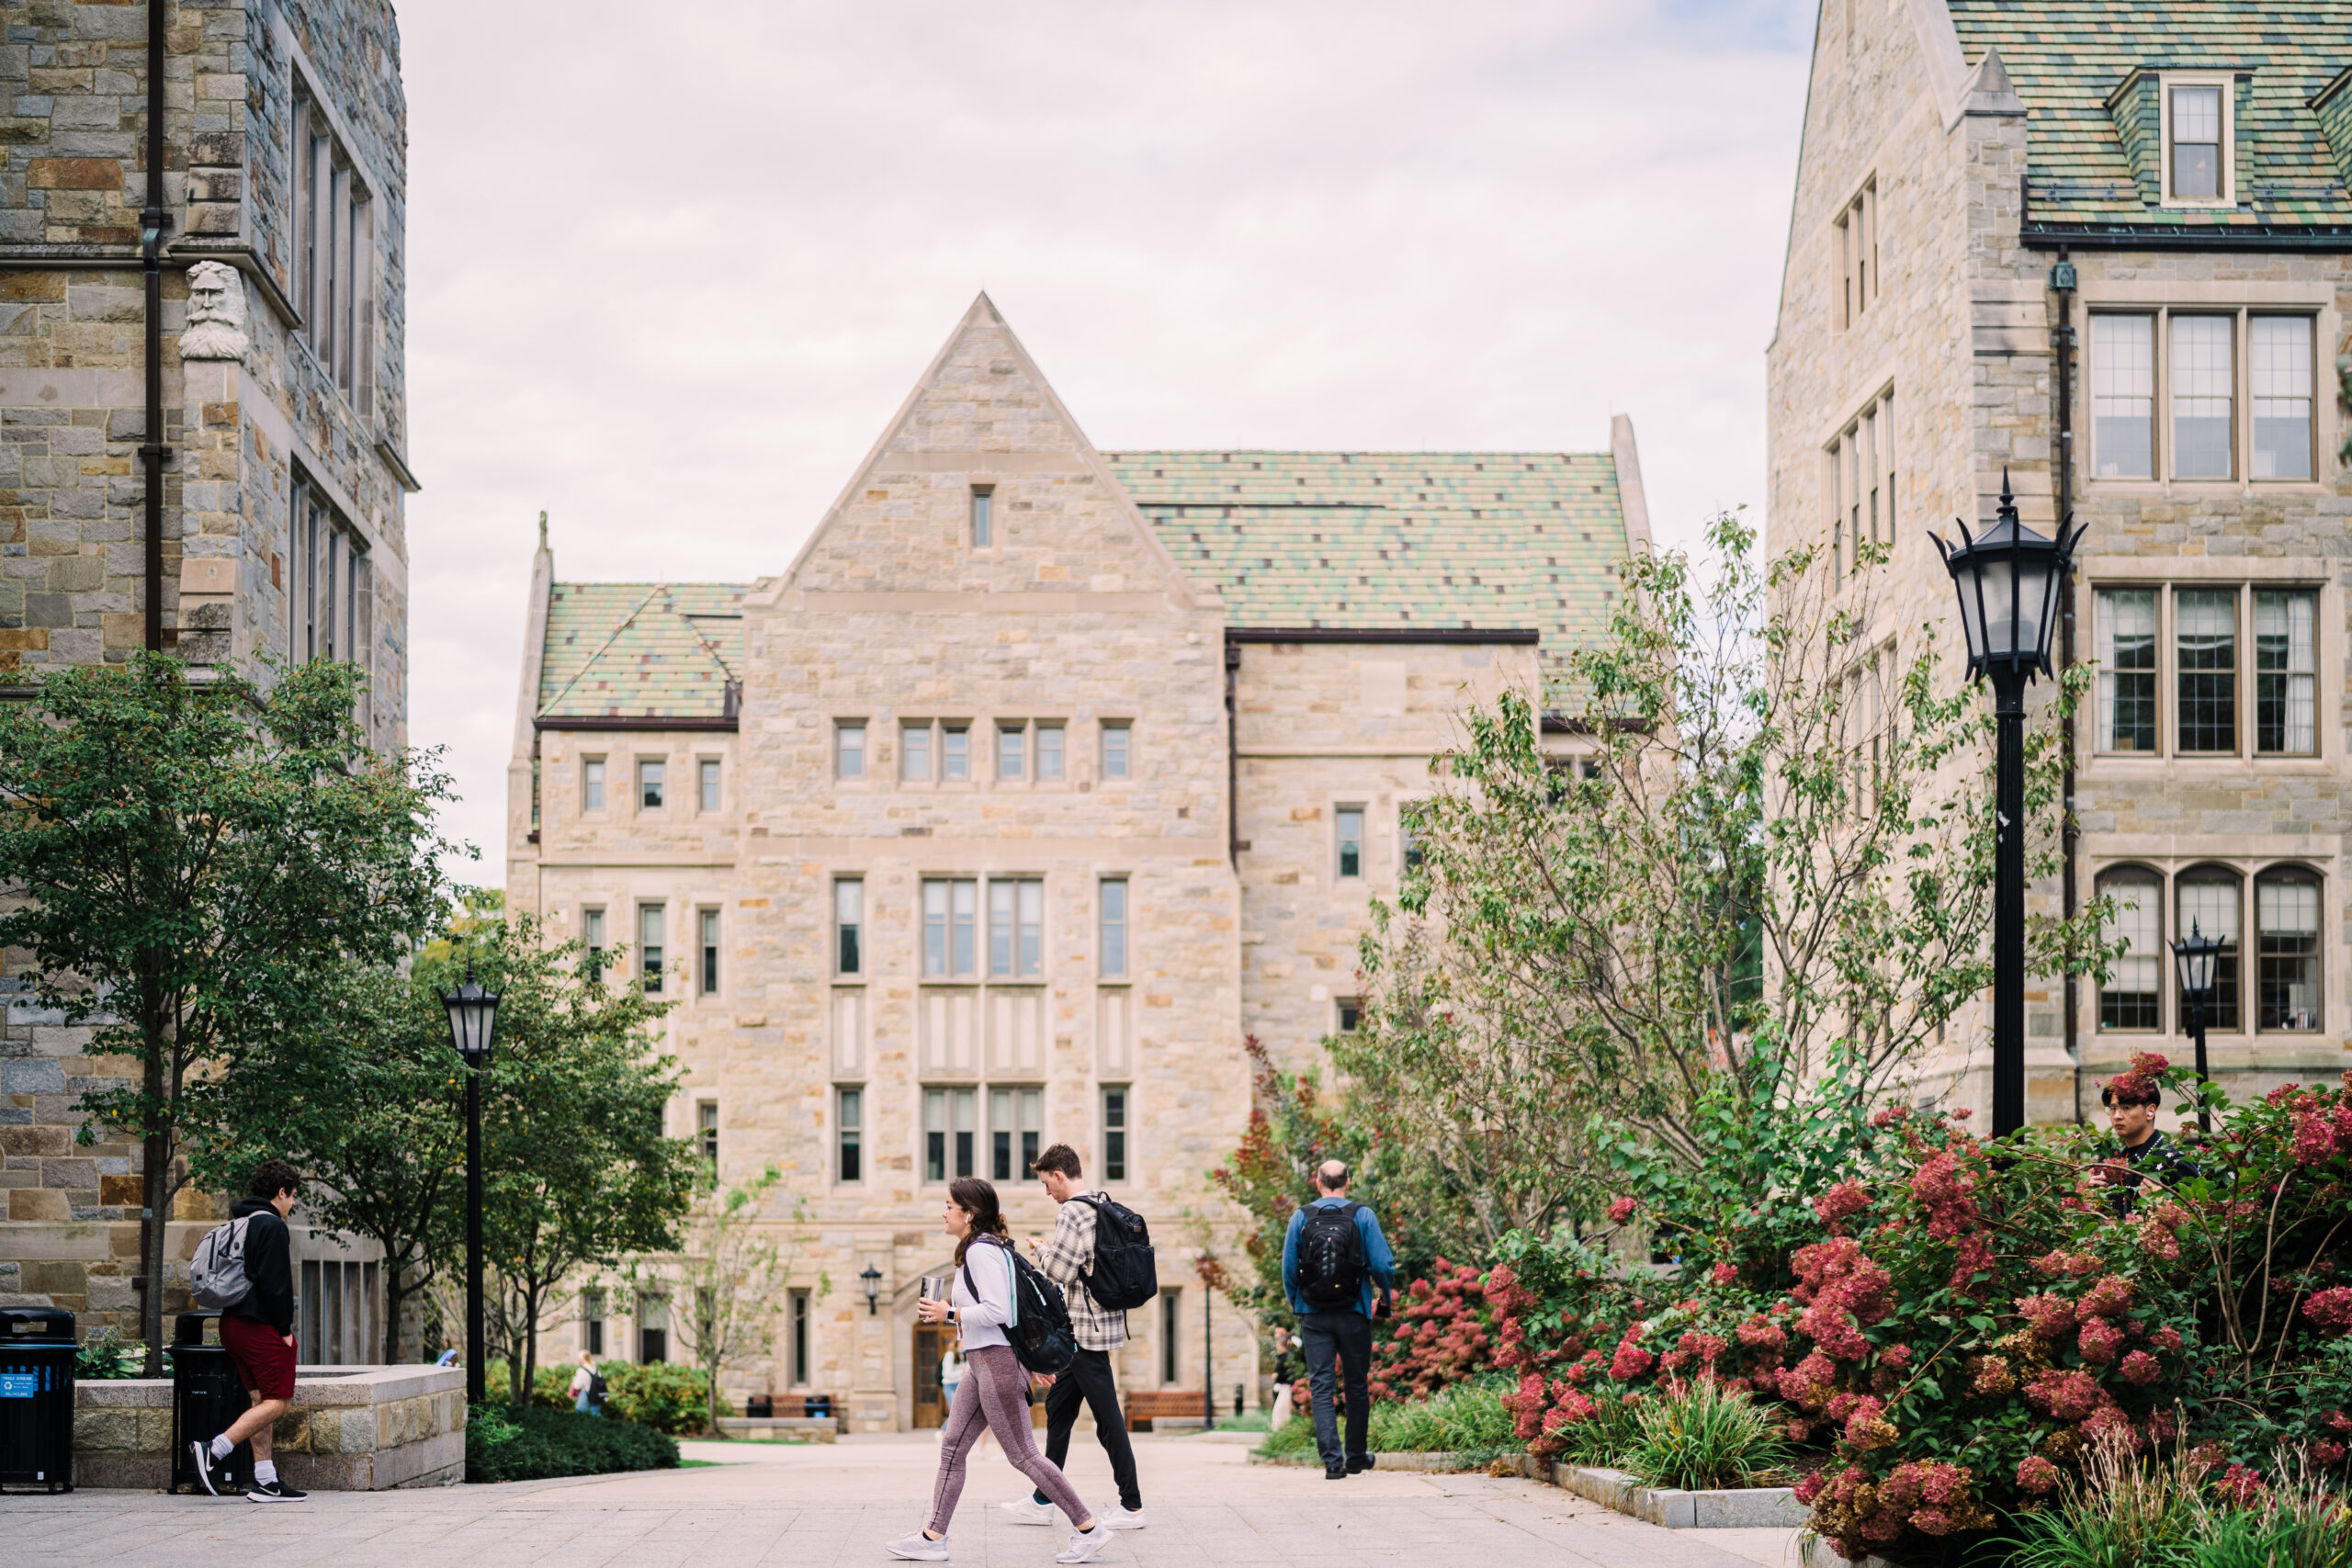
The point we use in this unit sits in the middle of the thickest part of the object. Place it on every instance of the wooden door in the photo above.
(932, 1341)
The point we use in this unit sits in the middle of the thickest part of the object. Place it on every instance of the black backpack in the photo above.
(1042, 1338)
(596, 1390)
(1124, 1275)
(1330, 1259)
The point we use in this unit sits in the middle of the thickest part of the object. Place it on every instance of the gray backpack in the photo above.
(216, 1277)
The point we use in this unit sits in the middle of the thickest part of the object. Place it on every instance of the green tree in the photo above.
(194, 859)
(367, 1098)
(1293, 1128)
(728, 1273)
(577, 1174)
(1781, 844)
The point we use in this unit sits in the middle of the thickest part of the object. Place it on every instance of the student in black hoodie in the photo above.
(257, 1330)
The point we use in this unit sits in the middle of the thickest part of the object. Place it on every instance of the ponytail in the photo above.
(979, 1199)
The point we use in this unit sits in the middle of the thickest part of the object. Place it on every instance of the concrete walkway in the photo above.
(835, 1504)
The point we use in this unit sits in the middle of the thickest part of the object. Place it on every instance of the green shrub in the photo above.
(1607, 1436)
(1701, 1437)
(1469, 1419)
(107, 1354)
(531, 1444)
(658, 1395)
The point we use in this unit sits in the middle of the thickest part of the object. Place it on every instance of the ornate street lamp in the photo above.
(2199, 957)
(871, 1278)
(473, 1017)
(2010, 581)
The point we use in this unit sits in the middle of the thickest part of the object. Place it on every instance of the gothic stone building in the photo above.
(2106, 251)
(1039, 780)
(284, 410)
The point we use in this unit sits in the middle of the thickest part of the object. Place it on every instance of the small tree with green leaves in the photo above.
(577, 1174)
(195, 861)
(1776, 842)
(737, 1258)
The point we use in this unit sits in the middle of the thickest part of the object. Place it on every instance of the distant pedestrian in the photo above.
(587, 1387)
(1332, 1256)
(2131, 1099)
(1070, 1260)
(993, 1394)
(1286, 1371)
(257, 1329)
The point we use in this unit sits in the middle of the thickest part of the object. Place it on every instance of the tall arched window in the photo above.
(2209, 901)
(2133, 997)
(2286, 915)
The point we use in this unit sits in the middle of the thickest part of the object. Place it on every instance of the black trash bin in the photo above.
(207, 1398)
(37, 1352)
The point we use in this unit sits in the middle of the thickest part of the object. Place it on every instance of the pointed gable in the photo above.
(984, 419)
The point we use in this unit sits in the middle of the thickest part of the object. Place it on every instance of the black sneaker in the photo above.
(1359, 1462)
(1333, 1473)
(212, 1481)
(272, 1492)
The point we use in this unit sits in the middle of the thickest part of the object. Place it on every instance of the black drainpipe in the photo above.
(153, 222)
(1232, 756)
(2062, 278)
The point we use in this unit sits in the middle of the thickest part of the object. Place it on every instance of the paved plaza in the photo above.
(835, 1504)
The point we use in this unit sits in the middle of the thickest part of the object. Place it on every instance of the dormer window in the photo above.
(2197, 142)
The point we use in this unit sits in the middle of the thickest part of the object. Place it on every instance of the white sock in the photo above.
(223, 1448)
(265, 1470)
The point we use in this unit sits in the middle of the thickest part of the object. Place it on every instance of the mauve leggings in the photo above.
(994, 1395)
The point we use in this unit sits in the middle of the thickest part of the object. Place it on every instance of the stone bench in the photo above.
(351, 1429)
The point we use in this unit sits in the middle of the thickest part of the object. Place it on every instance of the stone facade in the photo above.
(1950, 154)
(312, 417)
(1147, 930)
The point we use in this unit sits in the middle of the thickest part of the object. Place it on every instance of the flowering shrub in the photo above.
(1952, 1327)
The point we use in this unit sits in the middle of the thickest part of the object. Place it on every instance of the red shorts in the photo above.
(265, 1361)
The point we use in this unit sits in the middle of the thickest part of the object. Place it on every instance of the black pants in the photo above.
(1346, 1334)
(1087, 1380)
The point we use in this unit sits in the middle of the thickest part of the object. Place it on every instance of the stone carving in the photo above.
(216, 313)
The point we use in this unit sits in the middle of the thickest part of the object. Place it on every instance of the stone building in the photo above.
(277, 523)
(1039, 780)
(2105, 252)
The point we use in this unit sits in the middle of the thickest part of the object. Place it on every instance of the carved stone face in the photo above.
(216, 313)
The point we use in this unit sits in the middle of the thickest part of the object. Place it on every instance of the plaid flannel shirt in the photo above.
(1067, 1255)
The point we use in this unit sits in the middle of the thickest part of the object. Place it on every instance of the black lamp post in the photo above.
(2009, 579)
(473, 1014)
(2199, 958)
(871, 1278)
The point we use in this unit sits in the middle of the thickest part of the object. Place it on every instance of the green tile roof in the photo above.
(1394, 540)
(641, 649)
(2089, 160)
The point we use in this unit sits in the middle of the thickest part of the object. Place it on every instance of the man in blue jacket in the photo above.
(1332, 1257)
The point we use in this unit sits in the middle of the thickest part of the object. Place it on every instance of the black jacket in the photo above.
(269, 1266)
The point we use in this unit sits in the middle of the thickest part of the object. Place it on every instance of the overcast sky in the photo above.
(671, 268)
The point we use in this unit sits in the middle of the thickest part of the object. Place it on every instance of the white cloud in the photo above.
(670, 268)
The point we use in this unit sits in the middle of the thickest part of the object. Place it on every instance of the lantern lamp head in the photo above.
(2009, 579)
(473, 1017)
(871, 1278)
(2199, 956)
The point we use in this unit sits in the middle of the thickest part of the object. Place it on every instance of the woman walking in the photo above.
(993, 1394)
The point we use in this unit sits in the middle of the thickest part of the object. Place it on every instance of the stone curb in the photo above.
(1748, 1507)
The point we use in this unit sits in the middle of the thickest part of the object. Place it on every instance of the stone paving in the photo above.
(834, 1504)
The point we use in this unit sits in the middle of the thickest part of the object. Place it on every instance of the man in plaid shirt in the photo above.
(1065, 1259)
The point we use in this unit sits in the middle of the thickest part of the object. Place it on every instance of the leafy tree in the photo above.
(1783, 848)
(368, 1098)
(194, 861)
(577, 1174)
(730, 1272)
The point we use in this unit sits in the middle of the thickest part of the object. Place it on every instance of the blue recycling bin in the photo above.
(36, 1351)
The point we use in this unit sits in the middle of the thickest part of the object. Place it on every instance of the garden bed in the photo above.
(1423, 1464)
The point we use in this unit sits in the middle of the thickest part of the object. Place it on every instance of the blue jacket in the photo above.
(1380, 1264)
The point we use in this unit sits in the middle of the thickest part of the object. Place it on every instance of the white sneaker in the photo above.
(1085, 1545)
(1118, 1517)
(918, 1548)
(1029, 1511)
